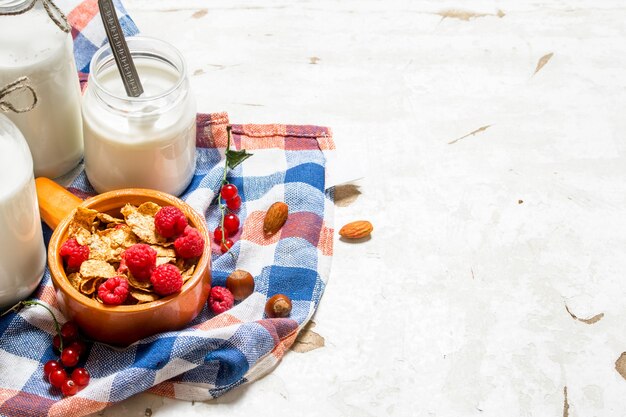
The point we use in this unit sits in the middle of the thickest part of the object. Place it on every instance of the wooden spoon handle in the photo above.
(55, 202)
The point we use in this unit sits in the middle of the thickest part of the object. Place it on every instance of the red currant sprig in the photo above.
(229, 223)
(55, 370)
(67, 342)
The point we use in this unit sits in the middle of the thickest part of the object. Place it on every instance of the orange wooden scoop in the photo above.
(55, 202)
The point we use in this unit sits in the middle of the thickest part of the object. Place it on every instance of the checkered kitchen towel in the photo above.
(216, 353)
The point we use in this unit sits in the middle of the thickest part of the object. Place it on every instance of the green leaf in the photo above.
(234, 158)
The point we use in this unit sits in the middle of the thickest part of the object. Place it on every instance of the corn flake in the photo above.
(141, 221)
(108, 219)
(100, 249)
(143, 296)
(75, 279)
(82, 224)
(90, 286)
(186, 274)
(162, 260)
(94, 268)
(163, 251)
(141, 285)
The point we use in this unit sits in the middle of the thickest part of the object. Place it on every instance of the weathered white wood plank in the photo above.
(483, 235)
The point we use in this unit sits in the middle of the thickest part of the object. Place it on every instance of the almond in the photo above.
(275, 218)
(356, 230)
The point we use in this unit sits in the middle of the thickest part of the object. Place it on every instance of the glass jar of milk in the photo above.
(22, 251)
(32, 44)
(147, 141)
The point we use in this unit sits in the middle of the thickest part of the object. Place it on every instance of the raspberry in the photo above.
(166, 279)
(190, 244)
(113, 291)
(221, 299)
(73, 253)
(140, 260)
(170, 221)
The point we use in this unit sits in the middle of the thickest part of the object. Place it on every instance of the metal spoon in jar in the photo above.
(119, 47)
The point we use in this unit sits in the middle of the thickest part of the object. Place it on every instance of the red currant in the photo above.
(231, 223)
(234, 203)
(81, 377)
(57, 377)
(218, 233)
(50, 366)
(78, 346)
(69, 387)
(226, 245)
(69, 357)
(69, 332)
(229, 191)
(56, 342)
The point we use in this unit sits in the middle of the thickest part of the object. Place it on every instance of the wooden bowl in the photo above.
(121, 325)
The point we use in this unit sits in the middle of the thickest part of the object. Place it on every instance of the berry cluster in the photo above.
(230, 222)
(71, 347)
(140, 259)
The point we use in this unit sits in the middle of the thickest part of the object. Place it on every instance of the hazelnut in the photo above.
(278, 306)
(240, 283)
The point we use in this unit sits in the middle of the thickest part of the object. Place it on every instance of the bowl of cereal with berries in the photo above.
(126, 264)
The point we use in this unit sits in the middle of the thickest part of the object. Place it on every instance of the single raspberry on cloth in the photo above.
(166, 279)
(190, 244)
(221, 299)
(73, 253)
(113, 291)
(170, 221)
(140, 260)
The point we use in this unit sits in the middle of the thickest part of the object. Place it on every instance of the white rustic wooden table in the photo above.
(492, 139)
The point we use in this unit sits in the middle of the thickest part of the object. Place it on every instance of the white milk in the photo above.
(146, 142)
(32, 45)
(22, 251)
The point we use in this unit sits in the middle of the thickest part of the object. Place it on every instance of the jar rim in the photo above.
(15, 5)
(95, 65)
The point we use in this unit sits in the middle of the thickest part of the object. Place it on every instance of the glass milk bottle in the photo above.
(147, 141)
(22, 251)
(36, 42)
